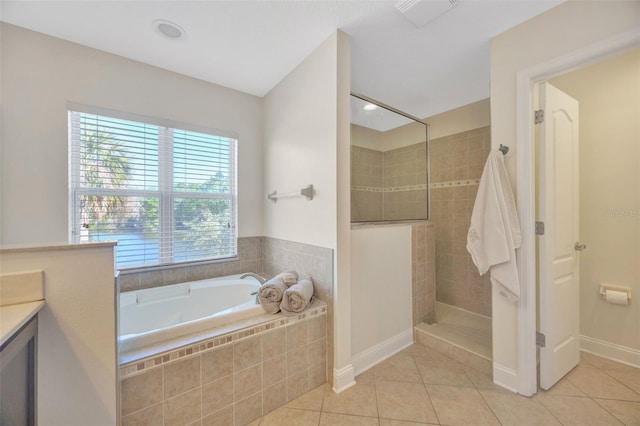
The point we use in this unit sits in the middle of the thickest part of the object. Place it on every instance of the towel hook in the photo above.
(503, 149)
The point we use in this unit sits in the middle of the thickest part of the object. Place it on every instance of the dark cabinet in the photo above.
(18, 377)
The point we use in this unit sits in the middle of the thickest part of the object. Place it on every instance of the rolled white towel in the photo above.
(290, 277)
(297, 297)
(270, 294)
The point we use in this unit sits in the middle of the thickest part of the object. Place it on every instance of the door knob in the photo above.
(580, 247)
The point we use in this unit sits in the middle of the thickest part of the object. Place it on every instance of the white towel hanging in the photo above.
(494, 233)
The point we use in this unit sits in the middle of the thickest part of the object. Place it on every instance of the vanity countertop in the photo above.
(12, 317)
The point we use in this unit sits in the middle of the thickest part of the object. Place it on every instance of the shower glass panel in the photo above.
(389, 167)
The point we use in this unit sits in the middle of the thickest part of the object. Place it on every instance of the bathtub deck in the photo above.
(128, 356)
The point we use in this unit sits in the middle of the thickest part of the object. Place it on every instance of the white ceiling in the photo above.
(380, 119)
(250, 45)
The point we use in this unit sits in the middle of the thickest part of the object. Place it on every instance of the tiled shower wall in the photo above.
(405, 183)
(389, 185)
(366, 184)
(456, 166)
(423, 272)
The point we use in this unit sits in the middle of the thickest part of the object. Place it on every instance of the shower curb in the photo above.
(457, 352)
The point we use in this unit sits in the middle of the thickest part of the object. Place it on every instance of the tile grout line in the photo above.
(201, 391)
(485, 401)
(586, 396)
(143, 408)
(233, 381)
(608, 412)
(163, 398)
(433, 407)
(375, 392)
(616, 380)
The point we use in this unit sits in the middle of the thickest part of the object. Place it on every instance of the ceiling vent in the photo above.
(421, 12)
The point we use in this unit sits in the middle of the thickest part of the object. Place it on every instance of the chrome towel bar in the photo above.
(307, 192)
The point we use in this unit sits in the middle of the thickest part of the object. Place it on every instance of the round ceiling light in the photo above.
(168, 29)
(370, 107)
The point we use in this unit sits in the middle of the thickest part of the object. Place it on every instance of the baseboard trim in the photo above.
(505, 377)
(612, 351)
(378, 353)
(343, 378)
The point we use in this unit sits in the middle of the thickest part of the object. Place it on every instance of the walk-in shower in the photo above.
(413, 185)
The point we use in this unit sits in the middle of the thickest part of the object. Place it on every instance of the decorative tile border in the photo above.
(466, 182)
(144, 365)
(452, 183)
(390, 189)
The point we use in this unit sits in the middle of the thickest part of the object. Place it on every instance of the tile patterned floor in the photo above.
(421, 387)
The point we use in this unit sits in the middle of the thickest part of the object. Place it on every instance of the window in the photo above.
(167, 194)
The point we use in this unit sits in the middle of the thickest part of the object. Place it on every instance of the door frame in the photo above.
(526, 187)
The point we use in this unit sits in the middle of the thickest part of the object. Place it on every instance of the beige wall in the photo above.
(343, 371)
(306, 141)
(40, 74)
(300, 149)
(522, 47)
(467, 117)
(77, 338)
(381, 285)
(608, 93)
(403, 136)
(393, 285)
(367, 138)
(400, 137)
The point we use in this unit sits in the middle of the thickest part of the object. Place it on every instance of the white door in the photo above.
(558, 257)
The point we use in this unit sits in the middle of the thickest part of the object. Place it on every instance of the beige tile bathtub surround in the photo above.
(237, 378)
(249, 260)
(278, 255)
(456, 166)
(246, 373)
(181, 376)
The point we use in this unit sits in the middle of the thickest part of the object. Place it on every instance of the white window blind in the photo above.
(166, 194)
